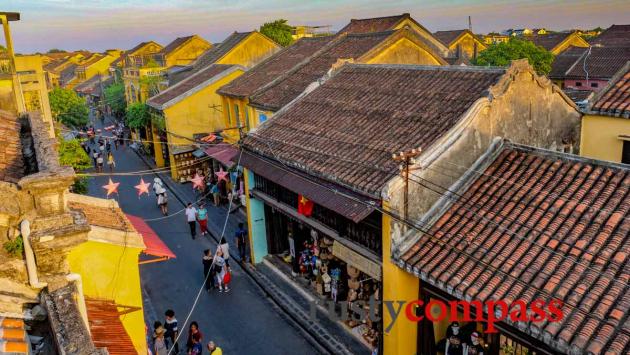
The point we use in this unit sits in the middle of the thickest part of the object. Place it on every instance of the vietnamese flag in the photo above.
(305, 206)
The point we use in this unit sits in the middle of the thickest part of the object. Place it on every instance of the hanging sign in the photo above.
(357, 260)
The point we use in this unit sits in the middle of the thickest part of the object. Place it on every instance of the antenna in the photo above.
(469, 24)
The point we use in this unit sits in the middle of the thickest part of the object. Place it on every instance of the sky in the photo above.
(97, 25)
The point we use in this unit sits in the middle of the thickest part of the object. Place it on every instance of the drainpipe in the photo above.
(31, 266)
(78, 282)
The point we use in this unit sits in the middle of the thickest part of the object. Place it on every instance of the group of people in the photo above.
(165, 336)
(100, 150)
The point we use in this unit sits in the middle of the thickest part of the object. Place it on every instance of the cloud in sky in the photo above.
(101, 24)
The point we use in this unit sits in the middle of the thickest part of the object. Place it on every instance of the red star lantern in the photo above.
(197, 182)
(143, 187)
(111, 187)
(222, 175)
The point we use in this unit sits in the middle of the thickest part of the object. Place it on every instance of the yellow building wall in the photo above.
(100, 67)
(250, 51)
(397, 285)
(599, 138)
(467, 43)
(111, 272)
(574, 40)
(404, 51)
(188, 52)
(33, 84)
(197, 113)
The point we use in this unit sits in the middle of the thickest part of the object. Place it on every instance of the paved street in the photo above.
(242, 321)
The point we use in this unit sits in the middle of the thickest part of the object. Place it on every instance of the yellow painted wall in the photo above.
(404, 51)
(100, 67)
(197, 113)
(574, 40)
(111, 272)
(599, 137)
(33, 84)
(187, 52)
(467, 43)
(251, 51)
(397, 285)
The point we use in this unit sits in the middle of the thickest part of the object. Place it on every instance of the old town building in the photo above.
(588, 68)
(333, 146)
(525, 224)
(558, 42)
(605, 125)
(461, 42)
(190, 108)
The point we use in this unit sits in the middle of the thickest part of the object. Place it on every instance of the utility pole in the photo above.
(405, 160)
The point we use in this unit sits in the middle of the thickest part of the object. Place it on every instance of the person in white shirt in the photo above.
(191, 217)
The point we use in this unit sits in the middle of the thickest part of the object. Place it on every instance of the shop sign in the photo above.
(357, 260)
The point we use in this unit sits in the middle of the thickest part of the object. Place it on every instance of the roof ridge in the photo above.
(199, 72)
(493, 69)
(404, 14)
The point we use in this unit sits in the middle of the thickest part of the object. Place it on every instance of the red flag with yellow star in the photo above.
(305, 206)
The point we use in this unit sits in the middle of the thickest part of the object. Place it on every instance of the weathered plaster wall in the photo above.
(521, 108)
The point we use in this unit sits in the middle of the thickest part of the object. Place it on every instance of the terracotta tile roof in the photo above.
(376, 24)
(274, 66)
(571, 216)
(614, 100)
(107, 329)
(601, 63)
(565, 60)
(287, 87)
(93, 59)
(371, 108)
(101, 216)
(13, 337)
(176, 43)
(548, 41)
(89, 86)
(448, 37)
(11, 161)
(210, 56)
(188, 84)
(613, 36)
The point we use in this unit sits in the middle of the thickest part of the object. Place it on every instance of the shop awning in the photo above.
(333, 197)
(223, 152)
(181, 149)
(154, 245)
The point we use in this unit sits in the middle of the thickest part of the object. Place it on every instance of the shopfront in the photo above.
(334, 256)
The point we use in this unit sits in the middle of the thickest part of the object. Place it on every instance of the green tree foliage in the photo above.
(68, 108)
(115, 98)
(15, 247)
(72, 154)
(501, 54)
(279, 31)
(137, 115)
(57, 50)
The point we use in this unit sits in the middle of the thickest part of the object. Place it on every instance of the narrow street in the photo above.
(242, 321)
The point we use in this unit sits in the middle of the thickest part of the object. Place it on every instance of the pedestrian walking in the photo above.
(225, 249)
(213, 349)
(115, 139)
(170, 325)
(220, 269)
(214, 189)
(194, 336)
(95, 157)
(108, 145)
(191, 217)
(202, 218)
(161, 196)
(156, 325)
(110, 162)
(241, 241)
(99, 163)
(159, 344)
(208, 269)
